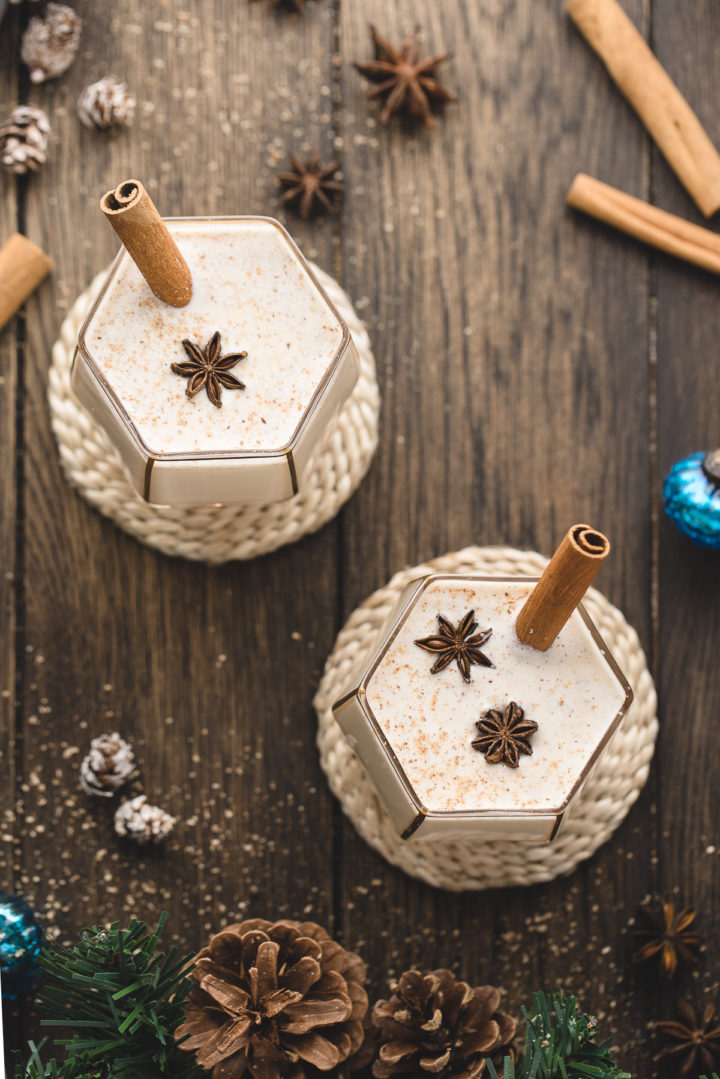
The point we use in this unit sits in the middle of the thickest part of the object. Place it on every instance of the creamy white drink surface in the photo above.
(249, 285)
(430, 719)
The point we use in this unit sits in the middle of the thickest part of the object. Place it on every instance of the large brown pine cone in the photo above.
(435, 1025)
(280, 1000)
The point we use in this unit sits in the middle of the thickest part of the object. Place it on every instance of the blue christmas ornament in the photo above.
(21, 940)
(692, 497)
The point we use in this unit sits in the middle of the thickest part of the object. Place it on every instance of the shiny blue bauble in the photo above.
(21, 940)
(692, 497)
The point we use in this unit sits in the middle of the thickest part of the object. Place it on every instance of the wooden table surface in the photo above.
(536, 370)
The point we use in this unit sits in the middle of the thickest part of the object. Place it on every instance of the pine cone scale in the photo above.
(482, 1042)
(315, 1050)
(266, 962)
(230, 998)
(435, 1065)
(278, 1001)
(300, 977)
(211, 1051)
(304, 1017)
(394, 1051)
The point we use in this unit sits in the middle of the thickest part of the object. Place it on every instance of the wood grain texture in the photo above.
(10, 580)
(512, 345)
(516, 345)
(207, 671)
(689, 582)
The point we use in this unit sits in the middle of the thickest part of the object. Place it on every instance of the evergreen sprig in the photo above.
(559, 1044)
(120, 1000)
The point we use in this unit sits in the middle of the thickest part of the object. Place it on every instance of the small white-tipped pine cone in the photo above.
(24, 139)
(136, 819)
(107, 766)
(106, 105)
(50, 43)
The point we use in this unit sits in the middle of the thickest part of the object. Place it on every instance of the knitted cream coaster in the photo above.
(598, 809)
(208, 533)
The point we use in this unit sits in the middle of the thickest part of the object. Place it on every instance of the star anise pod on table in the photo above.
(209, 368)
(503, 736)
(406, 83)
(460, 643)
(311, 185)
(668, 935)
(696, 1042)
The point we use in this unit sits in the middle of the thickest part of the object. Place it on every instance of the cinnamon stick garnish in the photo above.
(647, 86)
(665, 231)
(567, 577)
(23, 265)
(132, 214)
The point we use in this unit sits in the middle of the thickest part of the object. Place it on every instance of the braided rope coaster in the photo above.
(215, 533)
(459, 866)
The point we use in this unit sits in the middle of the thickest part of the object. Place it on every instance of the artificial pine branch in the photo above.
(559, 1044)
(120, 1001)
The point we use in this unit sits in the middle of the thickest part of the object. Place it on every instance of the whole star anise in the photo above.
(207, 367)
(460, 643)
(504, 736)
(668, 935)
(310, 185)
(696, 1042)
(406, 83)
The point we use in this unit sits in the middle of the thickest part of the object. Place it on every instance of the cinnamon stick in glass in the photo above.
(566, 579)
(133, 215)
(637, 218)
(662, 108)
(23, 265)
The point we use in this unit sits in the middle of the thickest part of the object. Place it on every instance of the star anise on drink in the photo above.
(668, 935)
(460, 643)
(311, 185)
(503, 736)
(696, 1042)
(209, 368)
(406, 84)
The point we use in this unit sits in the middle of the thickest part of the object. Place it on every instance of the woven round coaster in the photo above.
(215, 533)
(598, 810)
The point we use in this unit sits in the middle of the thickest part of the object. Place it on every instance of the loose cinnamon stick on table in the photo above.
(566, 579)
(23, 265)
(133, 215)
(655, 97)
(645, 222)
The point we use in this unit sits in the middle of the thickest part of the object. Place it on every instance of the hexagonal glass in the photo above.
(252, 284)
(413, 730)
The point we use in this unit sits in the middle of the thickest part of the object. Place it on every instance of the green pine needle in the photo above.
(560, 1044)
(117, 1001)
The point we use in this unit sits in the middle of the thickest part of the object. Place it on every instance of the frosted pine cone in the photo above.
(24, 139)
(141, 822)
(49, 44)
(106, 104)
(107, 766)
(277, 1000)
(433, 1024)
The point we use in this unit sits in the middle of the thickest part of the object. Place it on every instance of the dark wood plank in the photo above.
(208, 671)
(689, 591)
(512, 347)
(10, 640)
